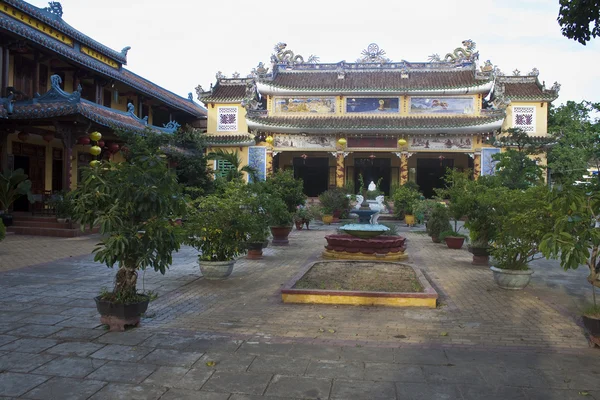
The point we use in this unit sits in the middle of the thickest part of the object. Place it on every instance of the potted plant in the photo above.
(524, 220)
(63, 206)
(219, 227)
(405, 198)
(453, 239)
(423, 208)
(334, 202)
(457, 191)
(134, 203)
(302, 216)
(13, 184)
(438, 222)
(280, 221)
(575, 239)
(256, 203)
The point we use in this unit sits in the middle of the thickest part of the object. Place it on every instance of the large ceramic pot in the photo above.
(592, 325)
(511, 279)
(327, 219)
(299, 224)
(255, 251)
(117, 315)
(409, 219)
(454, 242)
(216, 269)
(280, 235)
(7, 219)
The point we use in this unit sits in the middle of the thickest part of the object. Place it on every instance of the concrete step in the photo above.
(51, 223)
(56, 232)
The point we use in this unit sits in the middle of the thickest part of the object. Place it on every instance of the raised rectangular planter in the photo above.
(427, 298)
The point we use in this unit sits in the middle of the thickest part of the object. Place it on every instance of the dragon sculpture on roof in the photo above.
(460, 54)
(283, 56)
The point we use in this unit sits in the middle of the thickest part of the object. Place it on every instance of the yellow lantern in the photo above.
(342, 141)
(94, 163)
(95, 150)
(269, 139)
(402, 142)
(95, 136)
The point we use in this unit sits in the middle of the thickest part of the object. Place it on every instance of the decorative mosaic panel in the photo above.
(524, 118)
(372, 105)
(488, 165)
(442, 105)
(257, 159)
(441, 143)
(315, 105)
(304, 142)
(227, 119)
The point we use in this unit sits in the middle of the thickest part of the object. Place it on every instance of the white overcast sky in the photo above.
(179, 44)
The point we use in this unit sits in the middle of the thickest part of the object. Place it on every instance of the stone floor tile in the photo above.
(246, 383)
(279, 365)
(393, 372)
(126, 372)
(80, 322)
(118, 352)
(316, 352)
(70, 367)
(300, 387)
(166, 376)
(7, 326)
(121, 391)
(489, 392)
(452, 374)
(554, 394)
(65, 389)
(423, 391)
(23, 362)
(274, 349)
(13, 316)
(44, 319)
(182, 394)
(519, 377)
(30, 345)
(367, 354)
(175, 358)
(226, 362)
(131, 337)
(14, 385)
(31, 330)
(80, 349)
(336, 369)
(4, 339)
(80, 311)
(461, 358)
(360, 390)
(194, 379)
(77, 333)
(51, 309)
(420, 356)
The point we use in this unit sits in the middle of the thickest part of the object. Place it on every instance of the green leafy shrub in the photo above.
(439, 221)
(289, 189)
(451, 233)
(405, 198)
(333, 200)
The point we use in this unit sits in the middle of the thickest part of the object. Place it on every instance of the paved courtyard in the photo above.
(235, 340)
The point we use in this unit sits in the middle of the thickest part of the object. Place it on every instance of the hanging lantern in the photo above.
(101, 143)
(113, 148)
(94, 163)
(95, 150)
(402, 142)
(23, 136)
(269, 139)
(95, 136)
(83, 140)
(48, 137)
(342, 141)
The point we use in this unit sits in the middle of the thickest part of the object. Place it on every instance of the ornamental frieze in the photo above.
(304, 142)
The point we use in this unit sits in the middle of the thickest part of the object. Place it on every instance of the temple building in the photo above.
(58, 85)
(387, 122)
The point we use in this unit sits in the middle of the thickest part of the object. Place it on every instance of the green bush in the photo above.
(405, 198)
(289, 189)
(334, 200)
(451, 233)
(439, 221)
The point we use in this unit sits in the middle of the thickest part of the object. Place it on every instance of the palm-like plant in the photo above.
(234, 160)
(13, 184)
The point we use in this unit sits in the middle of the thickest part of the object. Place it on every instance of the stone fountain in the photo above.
(363, 240)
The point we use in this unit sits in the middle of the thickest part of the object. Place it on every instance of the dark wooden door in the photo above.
(32, 159)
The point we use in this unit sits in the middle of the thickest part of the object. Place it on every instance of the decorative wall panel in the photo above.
(442, 105)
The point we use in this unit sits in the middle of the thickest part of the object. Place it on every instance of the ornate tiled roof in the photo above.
(524, 88)
(488, 122)
(229, 139)
(224, 92)
(58, 103)
(138, 83)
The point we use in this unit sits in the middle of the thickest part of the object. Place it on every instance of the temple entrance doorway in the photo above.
(373, 170)
(32, 159)
(314, 171)
(430, 174)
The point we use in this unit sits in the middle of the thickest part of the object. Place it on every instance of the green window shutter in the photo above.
(223, 167)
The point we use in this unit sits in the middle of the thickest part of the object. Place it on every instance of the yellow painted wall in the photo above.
(39, 141)
(541, 116)
(242, 154)
(213, 115)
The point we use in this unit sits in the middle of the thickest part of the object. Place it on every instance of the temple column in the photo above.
(67, 133)
(476, 165)
(340, 170)
(403, 168)
(270, 162)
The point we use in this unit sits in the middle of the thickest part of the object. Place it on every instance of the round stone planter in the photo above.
(216, 269)
(592, 325)
(511, 279)
(454, 242)
(280, 235)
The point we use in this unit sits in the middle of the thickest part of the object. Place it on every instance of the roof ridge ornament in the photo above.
(373, 54)
(131, 112)
(283, 56)
(460, 55)
(54, 7)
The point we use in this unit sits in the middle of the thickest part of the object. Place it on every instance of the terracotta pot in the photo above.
(280, 235)
(298, 225)
(337, 214)
(454, 242)
(435, 239)
(255, 251)
(327, 219)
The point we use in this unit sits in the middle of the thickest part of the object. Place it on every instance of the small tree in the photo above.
(134, 204)
(289, 189)
(575, 239)
(457, 191)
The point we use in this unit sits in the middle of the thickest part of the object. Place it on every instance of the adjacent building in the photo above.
(387, 122)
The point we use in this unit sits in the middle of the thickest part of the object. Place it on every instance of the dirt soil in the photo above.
(360, 276)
